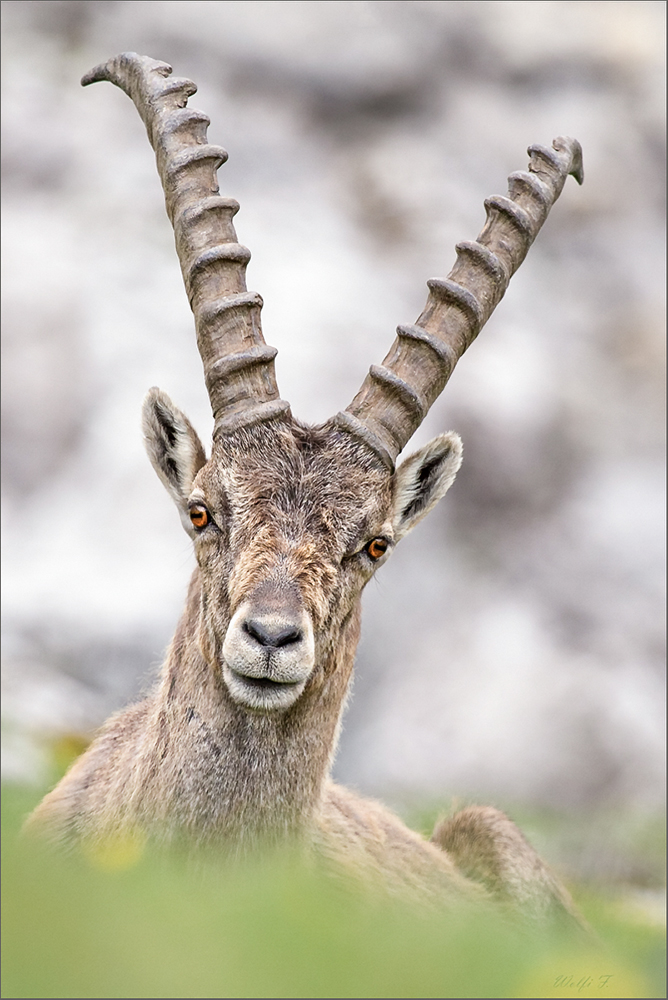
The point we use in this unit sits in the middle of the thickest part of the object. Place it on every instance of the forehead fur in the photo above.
(313, 480)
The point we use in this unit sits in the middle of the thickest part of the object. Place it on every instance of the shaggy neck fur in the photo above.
(225, 770)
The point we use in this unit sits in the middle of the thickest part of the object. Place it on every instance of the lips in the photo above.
(264, 694)
(265, 683)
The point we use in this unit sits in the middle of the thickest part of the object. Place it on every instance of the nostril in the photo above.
(287, 636)
(274, 636)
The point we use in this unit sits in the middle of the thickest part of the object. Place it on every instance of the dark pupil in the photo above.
(199, 517)
(377, 548)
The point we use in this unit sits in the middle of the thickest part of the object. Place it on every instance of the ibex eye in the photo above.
(377, 548)
(199, 516)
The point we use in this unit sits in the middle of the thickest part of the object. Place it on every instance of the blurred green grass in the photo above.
(276, 928)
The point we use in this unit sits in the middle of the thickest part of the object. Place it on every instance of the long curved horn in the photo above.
(395, 396)
(238, 365)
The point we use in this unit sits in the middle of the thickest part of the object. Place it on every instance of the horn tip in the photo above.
(108, 70)
(572, 146)
(94, 75)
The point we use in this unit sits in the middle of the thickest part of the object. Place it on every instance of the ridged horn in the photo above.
(238, 364)
(395, 396)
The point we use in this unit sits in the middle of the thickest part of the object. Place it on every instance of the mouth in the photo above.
(264, 694)
(265, 683)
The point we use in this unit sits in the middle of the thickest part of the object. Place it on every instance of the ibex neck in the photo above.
(244, 774)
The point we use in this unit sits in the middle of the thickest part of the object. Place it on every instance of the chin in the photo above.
(262, 694)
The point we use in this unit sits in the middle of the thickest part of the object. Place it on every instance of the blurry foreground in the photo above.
(127, 925)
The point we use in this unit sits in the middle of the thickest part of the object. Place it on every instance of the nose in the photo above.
(273, 634)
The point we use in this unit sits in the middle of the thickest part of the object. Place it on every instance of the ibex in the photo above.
(289, 523)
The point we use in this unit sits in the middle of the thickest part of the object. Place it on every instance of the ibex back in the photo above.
(289, 523)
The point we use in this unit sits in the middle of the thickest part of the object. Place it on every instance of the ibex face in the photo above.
(289, 523)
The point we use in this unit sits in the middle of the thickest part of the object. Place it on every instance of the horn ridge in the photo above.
(444, 353)
(213, 262)
(359, 430)
(450, 293)
(423, 356)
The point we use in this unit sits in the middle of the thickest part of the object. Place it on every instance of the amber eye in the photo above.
(199, 516)
(377, 548)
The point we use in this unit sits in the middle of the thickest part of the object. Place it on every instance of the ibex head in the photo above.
(290, 522)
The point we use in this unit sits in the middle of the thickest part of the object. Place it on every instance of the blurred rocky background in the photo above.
(513, 647)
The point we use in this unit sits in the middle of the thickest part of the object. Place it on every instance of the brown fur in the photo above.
(293, 509)
(235, 745)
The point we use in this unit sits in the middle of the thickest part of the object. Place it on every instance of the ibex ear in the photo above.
(174, 448)
(421, 481)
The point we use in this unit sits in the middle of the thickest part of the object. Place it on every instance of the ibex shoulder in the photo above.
(97, 786)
